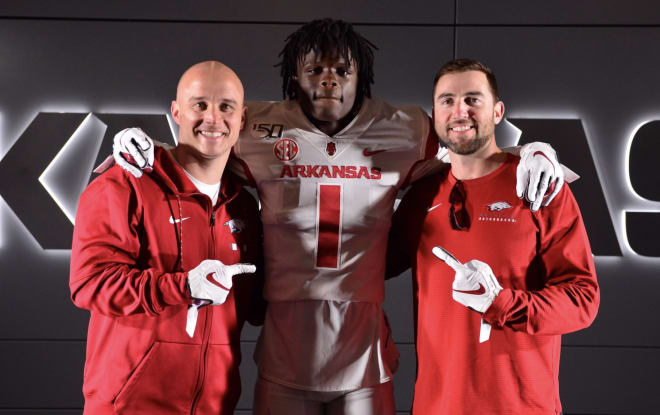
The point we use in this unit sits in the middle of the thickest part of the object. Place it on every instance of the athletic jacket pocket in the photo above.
(222, 383)
(163, 383)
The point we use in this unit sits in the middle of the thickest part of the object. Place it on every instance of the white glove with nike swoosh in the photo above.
(539, 176)
(209, 283)
(135, 142)
(475, 285)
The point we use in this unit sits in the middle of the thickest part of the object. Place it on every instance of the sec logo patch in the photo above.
(285, 149)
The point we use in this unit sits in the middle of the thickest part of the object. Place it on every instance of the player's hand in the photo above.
(135, 142)
(539, 175)
(475, 286)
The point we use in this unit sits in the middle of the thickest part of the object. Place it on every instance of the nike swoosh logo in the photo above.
(213, 281)
(369, 153)
(173, 221)
(433, 207)
(480, 291)
(540, 153)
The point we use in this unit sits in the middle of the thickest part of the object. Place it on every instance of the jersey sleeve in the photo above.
(104, 274)
(569, 296)
(432, 157)
(240, 169)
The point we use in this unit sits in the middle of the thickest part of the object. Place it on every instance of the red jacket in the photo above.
(133, 244)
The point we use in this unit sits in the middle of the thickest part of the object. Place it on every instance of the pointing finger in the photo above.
(448, 258)
(241, 269)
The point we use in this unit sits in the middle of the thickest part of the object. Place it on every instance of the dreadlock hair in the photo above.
(327, 36)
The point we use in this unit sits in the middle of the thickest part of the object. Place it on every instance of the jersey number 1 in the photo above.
(328, 216)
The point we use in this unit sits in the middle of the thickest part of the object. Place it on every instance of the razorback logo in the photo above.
(498, 206)
(235, 225)
(331, 148)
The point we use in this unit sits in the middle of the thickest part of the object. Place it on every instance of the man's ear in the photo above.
(293, 81)
(174, 109)
(243, 115)
(498, 111)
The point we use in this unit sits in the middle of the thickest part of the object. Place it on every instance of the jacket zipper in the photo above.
(207, 324)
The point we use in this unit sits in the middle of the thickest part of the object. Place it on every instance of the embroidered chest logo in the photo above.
(497, 206)
(331, 148)
(235, 225)
(285, 149)
(495, 213)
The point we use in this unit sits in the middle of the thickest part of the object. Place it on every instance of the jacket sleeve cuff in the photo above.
(173, 289)
(495, 315)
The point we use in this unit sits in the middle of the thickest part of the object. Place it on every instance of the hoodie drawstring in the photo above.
(178, 231)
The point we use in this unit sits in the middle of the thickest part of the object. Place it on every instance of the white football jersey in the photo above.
(326, 202)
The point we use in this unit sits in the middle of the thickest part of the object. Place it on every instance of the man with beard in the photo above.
(328, 163)
(536, 283)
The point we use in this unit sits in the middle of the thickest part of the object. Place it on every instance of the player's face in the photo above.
(209, 111)
(465, 111)
(326, 86)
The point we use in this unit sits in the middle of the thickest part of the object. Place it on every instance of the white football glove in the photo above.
(538, 174)
(210, 283)
(135, 142)
(475, 285)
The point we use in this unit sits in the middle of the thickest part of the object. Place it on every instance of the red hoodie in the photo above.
(133, 244)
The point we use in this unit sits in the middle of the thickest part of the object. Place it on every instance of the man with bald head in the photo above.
(210, 113)
(149, 255)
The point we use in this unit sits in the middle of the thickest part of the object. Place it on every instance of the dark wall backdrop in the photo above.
(580, 75)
